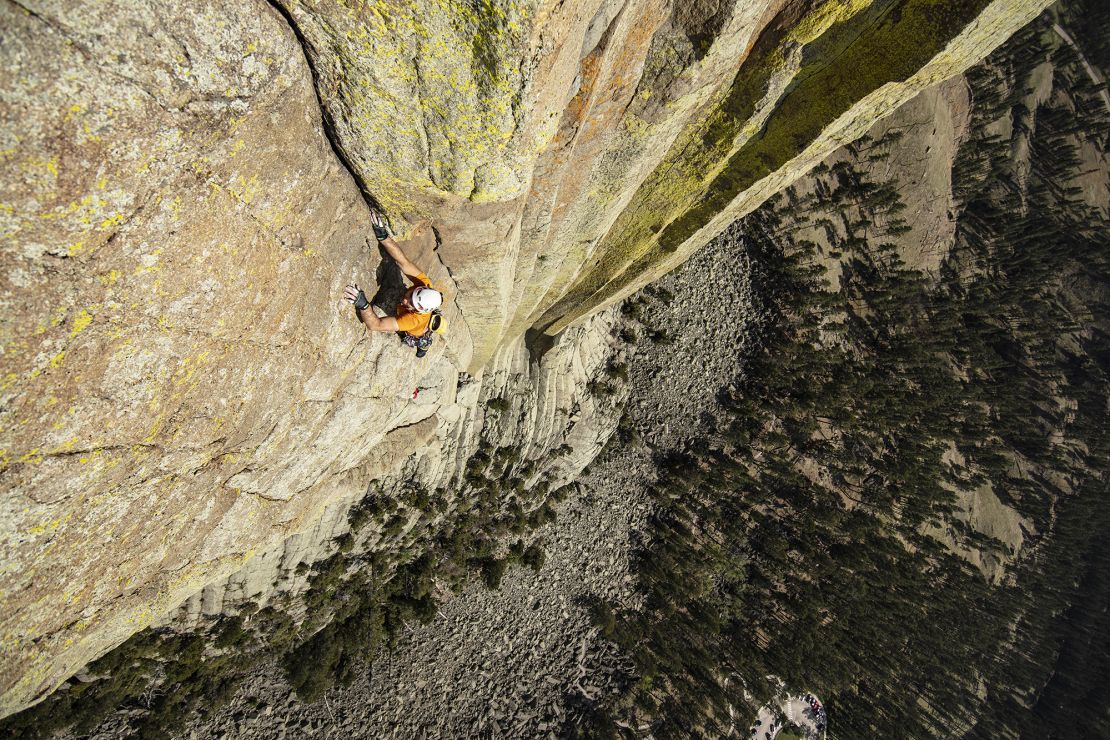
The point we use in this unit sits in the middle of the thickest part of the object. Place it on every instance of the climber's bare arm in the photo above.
(373, 323)
(392, 248)
(366, 314)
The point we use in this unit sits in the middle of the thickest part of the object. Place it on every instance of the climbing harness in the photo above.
(422, 342)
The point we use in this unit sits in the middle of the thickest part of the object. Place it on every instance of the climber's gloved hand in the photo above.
(354, 294)
(381, 228)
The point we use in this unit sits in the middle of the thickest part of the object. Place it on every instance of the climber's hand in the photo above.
(381, 228)
(354, 294)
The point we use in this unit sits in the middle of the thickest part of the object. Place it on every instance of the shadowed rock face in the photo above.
(180, 385)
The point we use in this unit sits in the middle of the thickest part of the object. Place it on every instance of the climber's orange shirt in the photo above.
(408, 320)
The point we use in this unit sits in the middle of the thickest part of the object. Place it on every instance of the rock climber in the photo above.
(417, 316)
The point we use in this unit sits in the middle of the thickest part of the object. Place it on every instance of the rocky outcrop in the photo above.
(184, 195)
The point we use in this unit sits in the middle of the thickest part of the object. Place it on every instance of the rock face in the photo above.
(184, 195)
(579, 150)
(548, 407)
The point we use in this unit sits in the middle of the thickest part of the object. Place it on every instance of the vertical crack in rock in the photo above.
(326, 120)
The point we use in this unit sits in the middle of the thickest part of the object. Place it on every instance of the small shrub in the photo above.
(324, 581)
(617, 371)
(542, 516)
(560, 494)
(534, 557)
(598, 389)
(310, 667)
(499, 405)
(627, 432)
(479, 461)
(395, 526)
(277, 627)
(633, 309)
(371, 508)
(603, 617)
(417, 497)
(476, 479)
(231, 632)
(493, 571)
(507, 456)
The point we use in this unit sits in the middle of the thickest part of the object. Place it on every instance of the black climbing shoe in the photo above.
(421, 352)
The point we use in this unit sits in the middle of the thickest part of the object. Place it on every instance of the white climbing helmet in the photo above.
(426, 300)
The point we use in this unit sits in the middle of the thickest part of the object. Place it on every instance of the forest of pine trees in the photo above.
(790, 542)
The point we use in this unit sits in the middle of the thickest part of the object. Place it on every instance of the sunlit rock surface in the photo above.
(184, 195)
